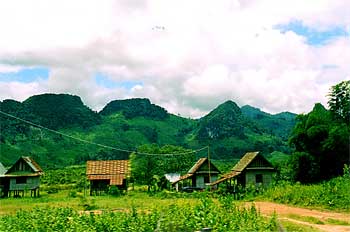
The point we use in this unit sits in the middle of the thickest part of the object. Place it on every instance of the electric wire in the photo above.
(97, 144)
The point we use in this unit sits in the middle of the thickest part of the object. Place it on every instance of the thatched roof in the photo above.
(227, 176)
(243, 164)
(245, 161)
(114, 170)
(2, 169)
(196, 167)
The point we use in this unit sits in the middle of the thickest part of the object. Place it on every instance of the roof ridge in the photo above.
(245, 161)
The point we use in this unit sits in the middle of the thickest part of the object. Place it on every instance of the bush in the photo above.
(114, 191)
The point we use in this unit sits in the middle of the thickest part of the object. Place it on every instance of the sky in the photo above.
(187, 56)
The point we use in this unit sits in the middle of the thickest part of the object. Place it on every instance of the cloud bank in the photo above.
(187, 56)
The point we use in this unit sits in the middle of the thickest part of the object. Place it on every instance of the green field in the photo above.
(136, 211)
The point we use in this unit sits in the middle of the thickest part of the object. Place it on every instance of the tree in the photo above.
(320, 138)
(339, 101)
(149, 168)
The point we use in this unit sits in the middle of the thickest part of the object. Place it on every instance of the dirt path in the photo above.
(292, 214)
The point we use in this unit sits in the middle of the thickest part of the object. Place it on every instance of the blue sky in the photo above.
(105, 81)
(207, 56)
(313, 36)
(26, 75)
(34, 74)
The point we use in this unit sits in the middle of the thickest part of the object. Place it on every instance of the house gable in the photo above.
(24, 166)
(252, 160)
(204, 168)
(251, 168)
(259, 162)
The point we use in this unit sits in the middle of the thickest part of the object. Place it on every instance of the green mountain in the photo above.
(127, 124)
(231, 131)
(277, 124)
(136, 107)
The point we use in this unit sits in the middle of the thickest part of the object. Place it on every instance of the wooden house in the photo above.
(2, 178)
(199, 176)
(103, 174)
(21, 177)
(251, 169)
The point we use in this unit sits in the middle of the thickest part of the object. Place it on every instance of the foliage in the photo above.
(114, 191)
(278, 124)
(128, 124)
(339, 101)
(225, 121)
(72, 176)
(332, 194)
(225, 216)
(136, 107)
(321, 146)
(150, 169)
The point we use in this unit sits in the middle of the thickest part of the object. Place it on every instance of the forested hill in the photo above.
(127, 124)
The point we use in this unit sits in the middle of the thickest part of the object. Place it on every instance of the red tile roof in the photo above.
(114, 170)
(113, 179)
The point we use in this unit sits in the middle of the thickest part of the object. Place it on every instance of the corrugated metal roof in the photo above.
(37, 171)
(245, 161)
(32, 163)
(114, 170)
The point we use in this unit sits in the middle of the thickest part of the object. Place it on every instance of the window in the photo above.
(258, 178)
(21, 180)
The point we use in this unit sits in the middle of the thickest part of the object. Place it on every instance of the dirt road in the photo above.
(322, 220)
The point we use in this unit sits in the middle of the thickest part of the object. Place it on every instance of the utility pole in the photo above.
(209, 163)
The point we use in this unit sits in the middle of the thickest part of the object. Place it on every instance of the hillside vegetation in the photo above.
(128, 124)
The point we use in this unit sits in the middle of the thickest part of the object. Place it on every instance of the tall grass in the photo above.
(333, 194)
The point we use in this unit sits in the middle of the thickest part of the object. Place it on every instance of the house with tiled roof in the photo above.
(22, 177)
(251, 169)
(105, 173)
(199, 176)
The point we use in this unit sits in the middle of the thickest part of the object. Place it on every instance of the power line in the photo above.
(93, 143)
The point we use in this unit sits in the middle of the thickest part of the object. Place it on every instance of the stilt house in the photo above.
(2, 175)
(251, 169)
(23, 176)
(199, 176)
(105, 173)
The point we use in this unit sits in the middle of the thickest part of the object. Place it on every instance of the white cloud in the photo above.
(189, 56)
(20, 91)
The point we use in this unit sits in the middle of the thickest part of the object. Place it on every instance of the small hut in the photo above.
(23, 176)
(2, 179)
(103, 174)
(251, 169)
(199, 176)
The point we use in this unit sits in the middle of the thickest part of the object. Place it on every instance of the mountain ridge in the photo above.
(127, 124)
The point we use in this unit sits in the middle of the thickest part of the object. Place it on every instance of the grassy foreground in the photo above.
(139, 212)
(332, 194)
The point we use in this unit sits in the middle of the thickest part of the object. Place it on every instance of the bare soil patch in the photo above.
(284, 212)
